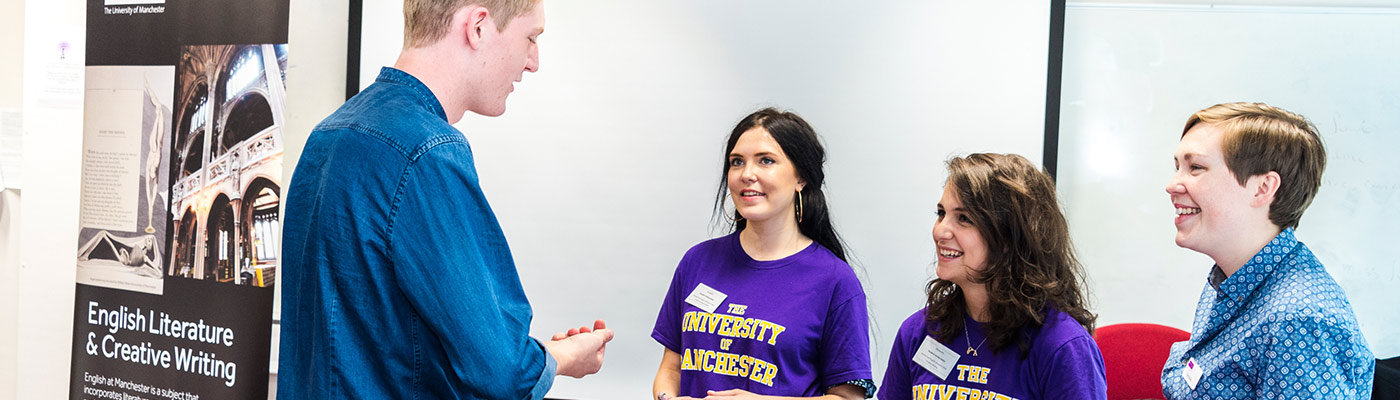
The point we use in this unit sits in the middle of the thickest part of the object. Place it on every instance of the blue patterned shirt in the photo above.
(1278, 328)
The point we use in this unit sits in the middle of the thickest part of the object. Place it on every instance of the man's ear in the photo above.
(475, 20)
(1265, 188)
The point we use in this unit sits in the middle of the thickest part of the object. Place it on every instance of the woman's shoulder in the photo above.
(845, 285)
(1060, 329)
(829, 264)
(711, 247)
(915, 326)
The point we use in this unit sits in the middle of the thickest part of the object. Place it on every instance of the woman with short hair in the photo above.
(1271, 322)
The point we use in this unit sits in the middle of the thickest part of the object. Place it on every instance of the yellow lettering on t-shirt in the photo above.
(979, 374)
(776, 330)
(718, 365)
(921, 392)
(711, 322)
(690, 322)
(741, 327)
(730, 365)
(934, 392)
(737, 309)
(726, 325)
(772, 371)
(745, 362)
(951, 392)
(687, 362)
(731, 326)
(757, 373)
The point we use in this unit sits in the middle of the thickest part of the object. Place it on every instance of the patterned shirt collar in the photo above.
(1239, 285)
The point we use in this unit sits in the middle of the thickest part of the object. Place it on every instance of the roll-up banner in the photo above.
(179, 239)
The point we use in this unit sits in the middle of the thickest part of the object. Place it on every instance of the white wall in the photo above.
(1134, 73)
(9, 296)
(53, 134)
(604, 167)
(11, 68)
(315, 87)
(11, 71)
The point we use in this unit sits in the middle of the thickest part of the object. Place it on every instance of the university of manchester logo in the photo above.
(131, 2)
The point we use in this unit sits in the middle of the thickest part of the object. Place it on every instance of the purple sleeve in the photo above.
(1076, 371)
(897, 384)
(668, 327)
(845, 343)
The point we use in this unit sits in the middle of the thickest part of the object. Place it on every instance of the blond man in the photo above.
(398, 282)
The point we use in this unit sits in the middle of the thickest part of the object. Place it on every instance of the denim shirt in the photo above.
(397, 281)
(1279, 327)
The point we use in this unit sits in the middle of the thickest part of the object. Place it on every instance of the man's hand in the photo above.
(843, 392)
(598, 324)
(736, 394)
(579, 352)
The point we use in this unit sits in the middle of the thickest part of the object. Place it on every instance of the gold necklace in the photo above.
(971, 350)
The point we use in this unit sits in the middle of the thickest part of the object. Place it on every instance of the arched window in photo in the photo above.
(219, 242)
(263, 233)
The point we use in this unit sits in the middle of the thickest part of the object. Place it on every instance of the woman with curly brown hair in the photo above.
(1006, 316)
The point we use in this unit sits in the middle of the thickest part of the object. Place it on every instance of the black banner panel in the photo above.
(179, 241)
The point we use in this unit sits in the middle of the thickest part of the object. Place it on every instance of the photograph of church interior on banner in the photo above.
(228, 163)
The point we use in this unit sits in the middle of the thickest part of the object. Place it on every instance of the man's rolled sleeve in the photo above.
(546, 380)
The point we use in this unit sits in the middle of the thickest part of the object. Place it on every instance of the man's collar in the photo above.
(424, 94)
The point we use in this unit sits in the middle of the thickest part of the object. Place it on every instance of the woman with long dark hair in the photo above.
(772, 309)
(1006, 316)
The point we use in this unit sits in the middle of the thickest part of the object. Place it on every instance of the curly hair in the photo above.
(1031, 265)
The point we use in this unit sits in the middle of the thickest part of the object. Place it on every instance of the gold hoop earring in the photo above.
(736, 217)
(799, 206)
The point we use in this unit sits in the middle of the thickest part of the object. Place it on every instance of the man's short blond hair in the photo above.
(427, 21)
(1260, 138)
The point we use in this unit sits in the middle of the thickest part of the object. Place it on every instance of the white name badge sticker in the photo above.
(1193, 373)
(705, 297)
(936, 358)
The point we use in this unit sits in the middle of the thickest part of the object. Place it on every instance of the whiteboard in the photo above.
(1134, 73)
(604, 167)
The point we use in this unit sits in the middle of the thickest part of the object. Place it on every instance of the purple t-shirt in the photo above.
(1064, 363)
(787, 327)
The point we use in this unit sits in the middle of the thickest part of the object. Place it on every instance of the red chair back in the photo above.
(1133, 356)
